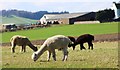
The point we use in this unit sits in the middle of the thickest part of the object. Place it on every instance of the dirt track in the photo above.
(98, 38)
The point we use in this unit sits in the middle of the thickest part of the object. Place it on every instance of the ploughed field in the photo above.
(98, 38)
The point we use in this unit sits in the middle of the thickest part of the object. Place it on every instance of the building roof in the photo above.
(9, 24)
(61, 16)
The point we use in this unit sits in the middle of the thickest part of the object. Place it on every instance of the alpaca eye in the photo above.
(35, 54)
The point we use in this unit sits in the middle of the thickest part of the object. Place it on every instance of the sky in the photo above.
(57, 5)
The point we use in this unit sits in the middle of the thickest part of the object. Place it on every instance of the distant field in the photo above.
(67, 30)
(104, 55)
(17, 20)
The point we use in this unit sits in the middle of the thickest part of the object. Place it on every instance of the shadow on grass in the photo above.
(44, 61)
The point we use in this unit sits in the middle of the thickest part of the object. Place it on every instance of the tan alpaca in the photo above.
(21, 41)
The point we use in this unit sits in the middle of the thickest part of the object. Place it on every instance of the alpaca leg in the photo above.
(13, 48)
(24, 48)
(49, 55)
(65, 53)
(54, 55)
(21, 49)
(81, 46)
(90, 45)
(73, 47)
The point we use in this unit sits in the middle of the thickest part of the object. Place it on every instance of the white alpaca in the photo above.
(52, 43)
(21, 41)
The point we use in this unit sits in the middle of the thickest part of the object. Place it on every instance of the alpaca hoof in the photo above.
(54, 60)
(64, 60)
(13, 52)
(48, 60)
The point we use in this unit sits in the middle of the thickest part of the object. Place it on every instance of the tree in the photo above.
(26, 14)
(105, 15)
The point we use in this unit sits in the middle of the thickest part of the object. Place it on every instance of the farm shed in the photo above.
(86, 17)
(116, 7)
(68, 18)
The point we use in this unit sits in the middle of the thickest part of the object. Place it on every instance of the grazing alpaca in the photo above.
(21, 41)
(81, 40)
(52, 43)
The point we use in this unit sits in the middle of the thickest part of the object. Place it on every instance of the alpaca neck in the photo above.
(42, 49)
(32, 46)
(75, 43)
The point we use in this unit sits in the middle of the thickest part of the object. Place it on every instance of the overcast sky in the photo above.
(57, 5)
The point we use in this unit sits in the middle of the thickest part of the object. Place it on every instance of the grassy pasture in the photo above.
(104, 55)
(17, 20)
(67, 30)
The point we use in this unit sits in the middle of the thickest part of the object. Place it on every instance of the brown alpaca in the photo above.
(21, 41)
(81, 40)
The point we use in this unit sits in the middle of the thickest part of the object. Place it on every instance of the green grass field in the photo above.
(17, 20)
(104, 55)
(67, 30)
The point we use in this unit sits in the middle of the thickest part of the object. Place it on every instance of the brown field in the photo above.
(98, 38)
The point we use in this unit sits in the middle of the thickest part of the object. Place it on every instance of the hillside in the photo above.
(17, 20)
(27, 14)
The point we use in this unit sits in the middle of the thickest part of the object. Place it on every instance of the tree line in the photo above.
(26, 14)
(106, 15)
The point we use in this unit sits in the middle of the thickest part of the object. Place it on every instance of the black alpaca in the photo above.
(81, 40)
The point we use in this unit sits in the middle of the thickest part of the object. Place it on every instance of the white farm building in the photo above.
(69, 18)
(116, 7)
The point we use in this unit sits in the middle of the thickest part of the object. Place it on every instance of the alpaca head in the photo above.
(35, 49)
(72, 45)
(71, 38)
(73, 42)
(69, 45)
(34, 56)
